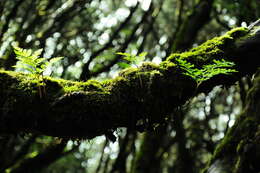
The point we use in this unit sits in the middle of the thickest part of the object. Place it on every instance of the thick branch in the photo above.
(137, 98)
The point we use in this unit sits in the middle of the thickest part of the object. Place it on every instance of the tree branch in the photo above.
(88, 109)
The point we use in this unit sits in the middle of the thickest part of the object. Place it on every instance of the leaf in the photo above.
(129, 58)
(22, 52)
(123, 54)
(28, 62)
(37, 53)
(123, 65)
(143, 54)
(39, 70)
(139, 58)
(43, 66)
(54, 60)
(24, 67)
(40, 60)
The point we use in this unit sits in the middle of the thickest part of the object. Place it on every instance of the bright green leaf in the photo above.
(143, 54)
(56, 59)
(123, 65)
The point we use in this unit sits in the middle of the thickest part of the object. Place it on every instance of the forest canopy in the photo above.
(79, 81)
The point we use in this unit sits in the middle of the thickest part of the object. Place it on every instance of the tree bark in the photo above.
(239, 151)
(137, 98)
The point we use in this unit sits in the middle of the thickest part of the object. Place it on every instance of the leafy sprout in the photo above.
(131, 59)
(31, 62)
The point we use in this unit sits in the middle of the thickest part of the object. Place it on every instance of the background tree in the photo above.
(88, 34)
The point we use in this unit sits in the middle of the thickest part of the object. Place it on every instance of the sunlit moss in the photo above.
(128, 71)
(216, 48)
(149, 66)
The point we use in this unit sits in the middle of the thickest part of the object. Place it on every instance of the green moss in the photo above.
(29, 84)
(118, 84)
(168, 66)
(222, 146)
(212, 49)
(232, 145)
(90, 85)
(149, 66)
(238, 32)
(240, 146)
(233, 138)
(15, 82)
(128, 71)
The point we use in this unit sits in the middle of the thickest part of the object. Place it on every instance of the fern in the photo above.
(131, 59)
(31, 62)
(207, 71)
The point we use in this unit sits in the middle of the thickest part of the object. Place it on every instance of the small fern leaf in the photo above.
(56, 59)
(40, 60)
(22, 52)
(37, 53)
(24, 67)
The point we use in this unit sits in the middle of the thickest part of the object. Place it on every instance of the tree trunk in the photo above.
(239, 151)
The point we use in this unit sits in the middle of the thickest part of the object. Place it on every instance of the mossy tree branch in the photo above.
(138, 98)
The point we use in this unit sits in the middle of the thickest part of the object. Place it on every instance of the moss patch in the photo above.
(214, 49)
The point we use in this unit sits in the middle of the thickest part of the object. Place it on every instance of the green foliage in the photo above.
(207, 71)
(131, 59)
(31, 61)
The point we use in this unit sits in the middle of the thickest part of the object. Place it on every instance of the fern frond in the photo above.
(31, 61)
(207, 71)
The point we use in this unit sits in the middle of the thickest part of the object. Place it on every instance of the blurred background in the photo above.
(88, 34)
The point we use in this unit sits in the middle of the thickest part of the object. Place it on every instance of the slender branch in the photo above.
(21, 153)
(178, 26)
(192, 25)
(219, 21)
(42, 160)
(2, 6)
(11, 16)
(85, 70)
(149, 28)
(124, 46)
(102, 156)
